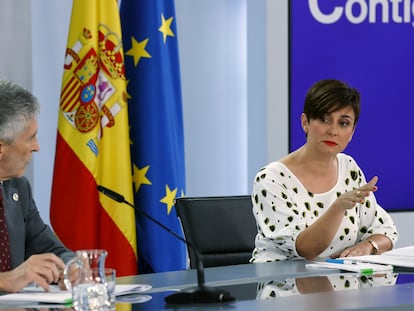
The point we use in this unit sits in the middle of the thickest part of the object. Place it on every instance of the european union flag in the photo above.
(156, 128)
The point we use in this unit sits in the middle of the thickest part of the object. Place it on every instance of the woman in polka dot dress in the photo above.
(315, 202)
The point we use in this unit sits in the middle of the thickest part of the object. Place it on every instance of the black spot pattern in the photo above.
(354, 175)
(350, 281)
(284, 208)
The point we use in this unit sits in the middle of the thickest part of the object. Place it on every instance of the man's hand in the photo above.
(41, 269)
(73, 276)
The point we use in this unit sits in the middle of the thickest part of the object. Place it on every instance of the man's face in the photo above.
(16, 156)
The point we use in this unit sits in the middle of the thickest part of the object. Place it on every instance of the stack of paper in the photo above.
(57, 296)
(399, 257)
(351, 265)
(37, 294)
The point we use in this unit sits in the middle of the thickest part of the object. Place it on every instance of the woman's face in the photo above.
(332, 132)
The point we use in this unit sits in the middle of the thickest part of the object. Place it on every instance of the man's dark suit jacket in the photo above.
(28, 233)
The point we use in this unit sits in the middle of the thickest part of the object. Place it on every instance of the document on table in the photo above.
(131, 289)
(57, 296)
(37, 294)
(351, 265)
(399, 257)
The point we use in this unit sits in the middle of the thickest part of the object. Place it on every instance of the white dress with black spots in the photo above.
(338, 282)
(283, 208)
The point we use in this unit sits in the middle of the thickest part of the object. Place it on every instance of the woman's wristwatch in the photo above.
(374, 247)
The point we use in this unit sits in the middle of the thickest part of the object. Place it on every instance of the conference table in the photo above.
(287, 285)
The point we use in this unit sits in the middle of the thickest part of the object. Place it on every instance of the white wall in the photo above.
(212, 42)
(16, 59)
(49, 33)
(404, 222)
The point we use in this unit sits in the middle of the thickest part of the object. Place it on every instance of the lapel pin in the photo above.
(15, 197)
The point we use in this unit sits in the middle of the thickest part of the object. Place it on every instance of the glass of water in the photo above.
(110, 277)
(97, 292)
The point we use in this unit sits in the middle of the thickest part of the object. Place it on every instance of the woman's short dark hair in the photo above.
(327, 96)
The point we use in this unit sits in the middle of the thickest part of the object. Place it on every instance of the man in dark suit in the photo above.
(29, 250)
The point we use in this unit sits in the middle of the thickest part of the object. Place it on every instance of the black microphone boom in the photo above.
(199, 294)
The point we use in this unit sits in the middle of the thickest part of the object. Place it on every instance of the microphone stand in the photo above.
(199, 294)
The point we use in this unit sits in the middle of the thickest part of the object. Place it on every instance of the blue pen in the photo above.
(342, 261)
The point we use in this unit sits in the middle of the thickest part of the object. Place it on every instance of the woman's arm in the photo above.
(318, 236)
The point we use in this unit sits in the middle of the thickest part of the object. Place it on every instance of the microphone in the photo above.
(199, 294)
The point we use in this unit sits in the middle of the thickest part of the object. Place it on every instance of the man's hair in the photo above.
(17, 107)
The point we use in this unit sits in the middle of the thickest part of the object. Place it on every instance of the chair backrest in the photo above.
(222, 229)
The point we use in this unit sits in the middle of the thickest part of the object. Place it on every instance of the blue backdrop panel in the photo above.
(372, 49)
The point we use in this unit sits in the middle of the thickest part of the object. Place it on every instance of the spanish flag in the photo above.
(93, 146)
